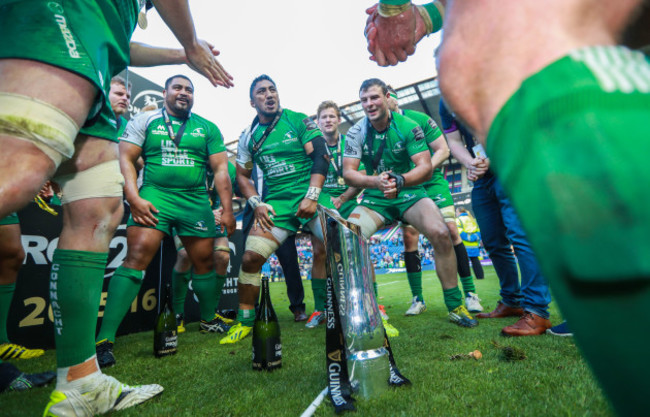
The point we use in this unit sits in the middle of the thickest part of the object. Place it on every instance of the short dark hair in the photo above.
(371, 82)
(170, 79)
(257, 80)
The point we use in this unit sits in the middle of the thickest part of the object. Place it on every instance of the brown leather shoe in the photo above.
(299, 315)
(502, 310)
(529, 324)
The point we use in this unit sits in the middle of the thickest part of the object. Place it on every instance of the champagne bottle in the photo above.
(165, 338)
(267, 347)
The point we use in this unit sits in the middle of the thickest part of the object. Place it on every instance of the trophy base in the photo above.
(369, 372)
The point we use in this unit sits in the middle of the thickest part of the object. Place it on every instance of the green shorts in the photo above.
(437, 189)
(187, 212)
(87, 37)
(10, 219)
(286, 203)
(392, 209)
(347, 208)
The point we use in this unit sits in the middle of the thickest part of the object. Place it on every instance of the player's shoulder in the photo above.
(147, 117)
(358, 130)
(416, 115)
(198, 119)
(298, 120)
(404, 122)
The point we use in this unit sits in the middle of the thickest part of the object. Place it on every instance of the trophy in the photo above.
(358, 351)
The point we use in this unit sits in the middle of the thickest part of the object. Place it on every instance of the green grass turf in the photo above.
(208, 379)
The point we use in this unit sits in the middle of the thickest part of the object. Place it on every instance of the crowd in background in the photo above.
(384, 253)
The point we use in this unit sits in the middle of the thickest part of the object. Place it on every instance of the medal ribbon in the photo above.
(338, 165)
(170, 130)
(267, 132)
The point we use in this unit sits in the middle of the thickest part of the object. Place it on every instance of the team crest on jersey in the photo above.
(199, 132)
(309, 124)
(200, 225)
(431, 123)
(418, 133)
(399, 148)
(289, 138)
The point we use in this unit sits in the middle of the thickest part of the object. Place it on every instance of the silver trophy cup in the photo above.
(348, 258)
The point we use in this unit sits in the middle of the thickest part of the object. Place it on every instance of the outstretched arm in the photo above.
(200, 56)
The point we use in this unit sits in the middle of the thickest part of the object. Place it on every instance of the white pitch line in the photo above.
(314, 405)
(388, 283)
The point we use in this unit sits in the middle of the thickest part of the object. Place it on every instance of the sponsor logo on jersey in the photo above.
(200, 225)
(349, 150)
(431, 123)
(407, 197)
(309, 124)
(68, 37)
(160, 130)
(418, 133)
(267, 159)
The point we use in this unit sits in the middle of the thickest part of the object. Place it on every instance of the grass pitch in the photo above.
(208, 379)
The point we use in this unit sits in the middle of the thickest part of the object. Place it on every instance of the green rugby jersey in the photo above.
(570, 148)
(166, 165)
(403, 139)
(282, 157)
(431, 131)
(332, 185)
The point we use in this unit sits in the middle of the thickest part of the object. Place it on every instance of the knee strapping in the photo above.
(103, 180)
(222, 249)
(251, 278)
(368, 220)
(47, 127)
(261, 245)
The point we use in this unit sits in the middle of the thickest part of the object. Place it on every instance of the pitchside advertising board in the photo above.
(30, 316)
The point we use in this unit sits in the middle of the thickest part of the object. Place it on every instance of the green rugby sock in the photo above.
(453, 298)
(122, 290)
(319, 288)
(414, 273)
(205, 288)
(180, 281)
(76, 281)
(6, 294)
(415, 282)
(468, 285)
(246, 317)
